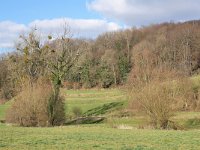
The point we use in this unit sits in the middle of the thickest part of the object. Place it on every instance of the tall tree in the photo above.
(59, 60)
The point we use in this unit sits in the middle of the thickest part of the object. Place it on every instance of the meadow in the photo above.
(96, 137)
(113, 133)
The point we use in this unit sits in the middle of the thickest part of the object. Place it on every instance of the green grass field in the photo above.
(96, 137)
(90, 99)
(114, 133)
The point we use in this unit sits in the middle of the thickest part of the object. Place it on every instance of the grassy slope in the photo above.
(89, 99)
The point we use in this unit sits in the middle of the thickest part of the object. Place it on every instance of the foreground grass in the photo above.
(96, 137)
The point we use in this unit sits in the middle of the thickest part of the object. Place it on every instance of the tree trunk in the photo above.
(53, 101)
(114, 73)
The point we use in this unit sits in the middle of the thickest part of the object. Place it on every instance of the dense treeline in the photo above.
(109, 59)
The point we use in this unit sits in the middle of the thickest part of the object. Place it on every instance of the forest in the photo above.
(111, 58)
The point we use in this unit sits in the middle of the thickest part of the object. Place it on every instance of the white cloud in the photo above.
(9, 32)
(144, 12)
(88, 28)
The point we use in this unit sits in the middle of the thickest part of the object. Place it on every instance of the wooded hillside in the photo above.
(109, 59)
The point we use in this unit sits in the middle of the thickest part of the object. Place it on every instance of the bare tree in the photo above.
(59, 60)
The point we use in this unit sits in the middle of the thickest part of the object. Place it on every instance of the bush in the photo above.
(77, 111)
(31, 107)
(159, 99)
(155, 100)
(186, 95)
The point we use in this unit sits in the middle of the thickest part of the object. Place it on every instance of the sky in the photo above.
(87, 18)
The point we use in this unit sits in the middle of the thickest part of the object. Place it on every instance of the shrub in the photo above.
(159, 99)
(77, 111)
(31, 107)
(155, 100)
(186, 95)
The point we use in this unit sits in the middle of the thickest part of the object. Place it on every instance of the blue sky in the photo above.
(25, 11)
(87, 18)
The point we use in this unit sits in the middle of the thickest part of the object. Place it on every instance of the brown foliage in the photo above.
(31, 106)
(159, 99)
(156, 100)
(187, 95)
